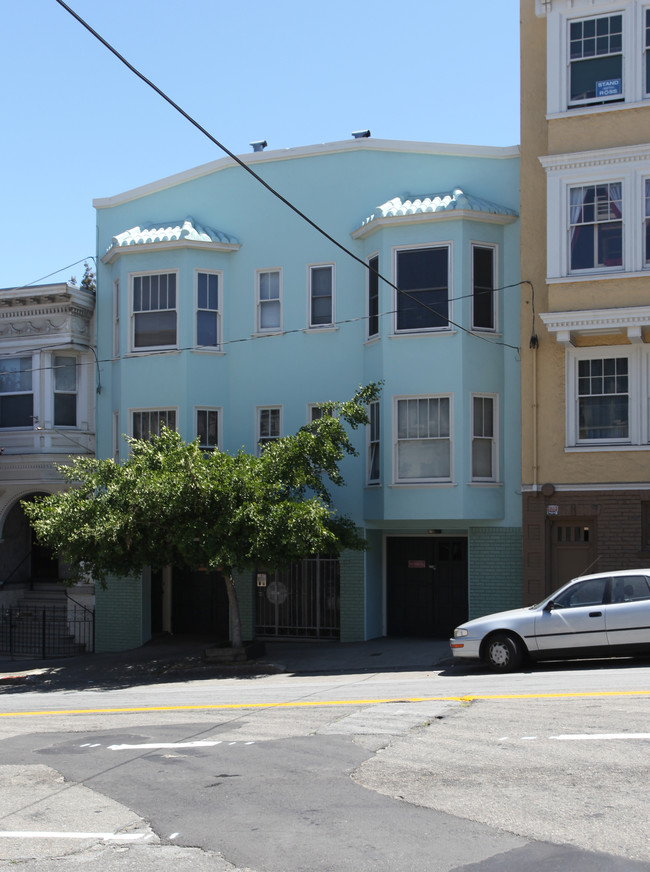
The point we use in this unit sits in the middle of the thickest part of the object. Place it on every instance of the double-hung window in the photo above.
(422, 276)
(373, 296)
(149, 422)
(603, 399)
(646, 227)
(268, 426)
(16, 397)
(595, 60)
(423, 443)
(321, 296)
(596, 226)
(483, 264)
(154, 310)
(269, 312)
(483, 438)
(207, 428)
(208, 326)
(65, 391)
(374, 444)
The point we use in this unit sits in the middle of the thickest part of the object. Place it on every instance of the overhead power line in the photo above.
(259, 178)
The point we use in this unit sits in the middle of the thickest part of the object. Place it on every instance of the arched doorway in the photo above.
(22, 559)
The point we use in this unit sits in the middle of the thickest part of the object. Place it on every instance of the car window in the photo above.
(582, 593)
(630, 588)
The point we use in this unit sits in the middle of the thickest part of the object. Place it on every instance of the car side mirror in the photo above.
(550, 605)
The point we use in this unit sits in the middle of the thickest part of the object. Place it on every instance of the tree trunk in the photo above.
(233, 602)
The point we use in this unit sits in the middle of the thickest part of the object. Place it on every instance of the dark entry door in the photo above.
(573, 549)
(200, 604)
(426, 585)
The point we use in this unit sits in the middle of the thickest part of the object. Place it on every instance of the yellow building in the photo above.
(585, 259)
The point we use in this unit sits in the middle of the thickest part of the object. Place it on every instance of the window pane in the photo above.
(483, 296)
(15, 375)
(373, 297)
(269, 315)
(16, 411)
(206, 328)
(65, 373)
(65, 410)
(154, 329)
(207, 427)
(482, 458)
(423, 275)
(423, 459)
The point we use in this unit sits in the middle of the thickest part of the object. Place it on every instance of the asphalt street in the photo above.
(436, 768)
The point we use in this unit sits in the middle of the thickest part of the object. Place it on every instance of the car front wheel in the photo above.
(503, 653)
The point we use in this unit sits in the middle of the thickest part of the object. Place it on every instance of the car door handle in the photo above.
(595, 614)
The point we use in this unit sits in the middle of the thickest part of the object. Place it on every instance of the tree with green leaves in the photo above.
(171, 503)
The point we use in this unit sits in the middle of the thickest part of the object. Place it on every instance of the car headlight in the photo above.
(459, 631)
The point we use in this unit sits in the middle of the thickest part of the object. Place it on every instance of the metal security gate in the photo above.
(47, 632)
(301, 601)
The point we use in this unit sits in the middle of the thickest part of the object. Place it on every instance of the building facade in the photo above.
(585, 255)
(226, 316)
(48, 381)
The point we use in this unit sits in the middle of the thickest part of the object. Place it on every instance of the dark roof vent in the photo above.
(361, 134)
(260, 145)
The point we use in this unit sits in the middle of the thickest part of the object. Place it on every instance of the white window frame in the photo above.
(259, 303)
(34, 364)
(260, 440)
(628, 166)
(373, 442)
(116, 318)
(116, 436)
(402, 249)
(217, 346)
(371, 277)
(638, 357)
(446, 479)
(208, 410)
(58, 391)
(310, 295)
(559, 18)
(494, 438)
(136, 349)
(170, 410)
(495, 272)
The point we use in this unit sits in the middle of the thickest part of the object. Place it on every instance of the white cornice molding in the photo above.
(116, 251)
(426, 217)
(597, 321)
(599, 158)
(367, 144)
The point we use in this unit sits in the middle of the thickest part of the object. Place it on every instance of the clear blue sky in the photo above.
(79, 125)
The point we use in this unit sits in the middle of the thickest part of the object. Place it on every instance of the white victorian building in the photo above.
(48, 380)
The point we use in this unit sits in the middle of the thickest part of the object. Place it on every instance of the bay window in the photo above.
(423, 443)
(16, 397)
(422, 276)
(154, 310)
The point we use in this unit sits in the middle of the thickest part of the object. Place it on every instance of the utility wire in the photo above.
(259, 178)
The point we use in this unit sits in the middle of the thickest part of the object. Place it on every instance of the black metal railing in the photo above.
(47, 632)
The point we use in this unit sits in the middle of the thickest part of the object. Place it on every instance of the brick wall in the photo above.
(119, 615)
(494, 569)
(353, 599)
(618, 520)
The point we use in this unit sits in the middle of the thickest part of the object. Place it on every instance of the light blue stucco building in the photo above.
(223, 313)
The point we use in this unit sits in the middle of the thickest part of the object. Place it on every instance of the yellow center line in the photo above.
(333, 702)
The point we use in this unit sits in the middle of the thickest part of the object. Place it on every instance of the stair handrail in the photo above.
(81, 605)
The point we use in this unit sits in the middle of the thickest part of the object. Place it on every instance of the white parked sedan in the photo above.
(592, 616)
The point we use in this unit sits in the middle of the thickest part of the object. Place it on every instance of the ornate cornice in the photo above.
(601, 158)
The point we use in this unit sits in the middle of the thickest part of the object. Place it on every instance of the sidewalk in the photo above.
(174, 658)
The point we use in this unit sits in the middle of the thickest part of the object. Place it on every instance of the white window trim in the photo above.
(259, 409)
(332, 322)
(209, 348)
(116, 318)
(445, 243)
(559, 19)
(135, 410)
(446, 480)
(495, 272)
(258, 328)
(35, 357)
(79, 369)
(371, 337)
(373, 482)
(629, 166)
(495, 438)
(638, 389)
(144, 349)
(219, 411)
(116, 436)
